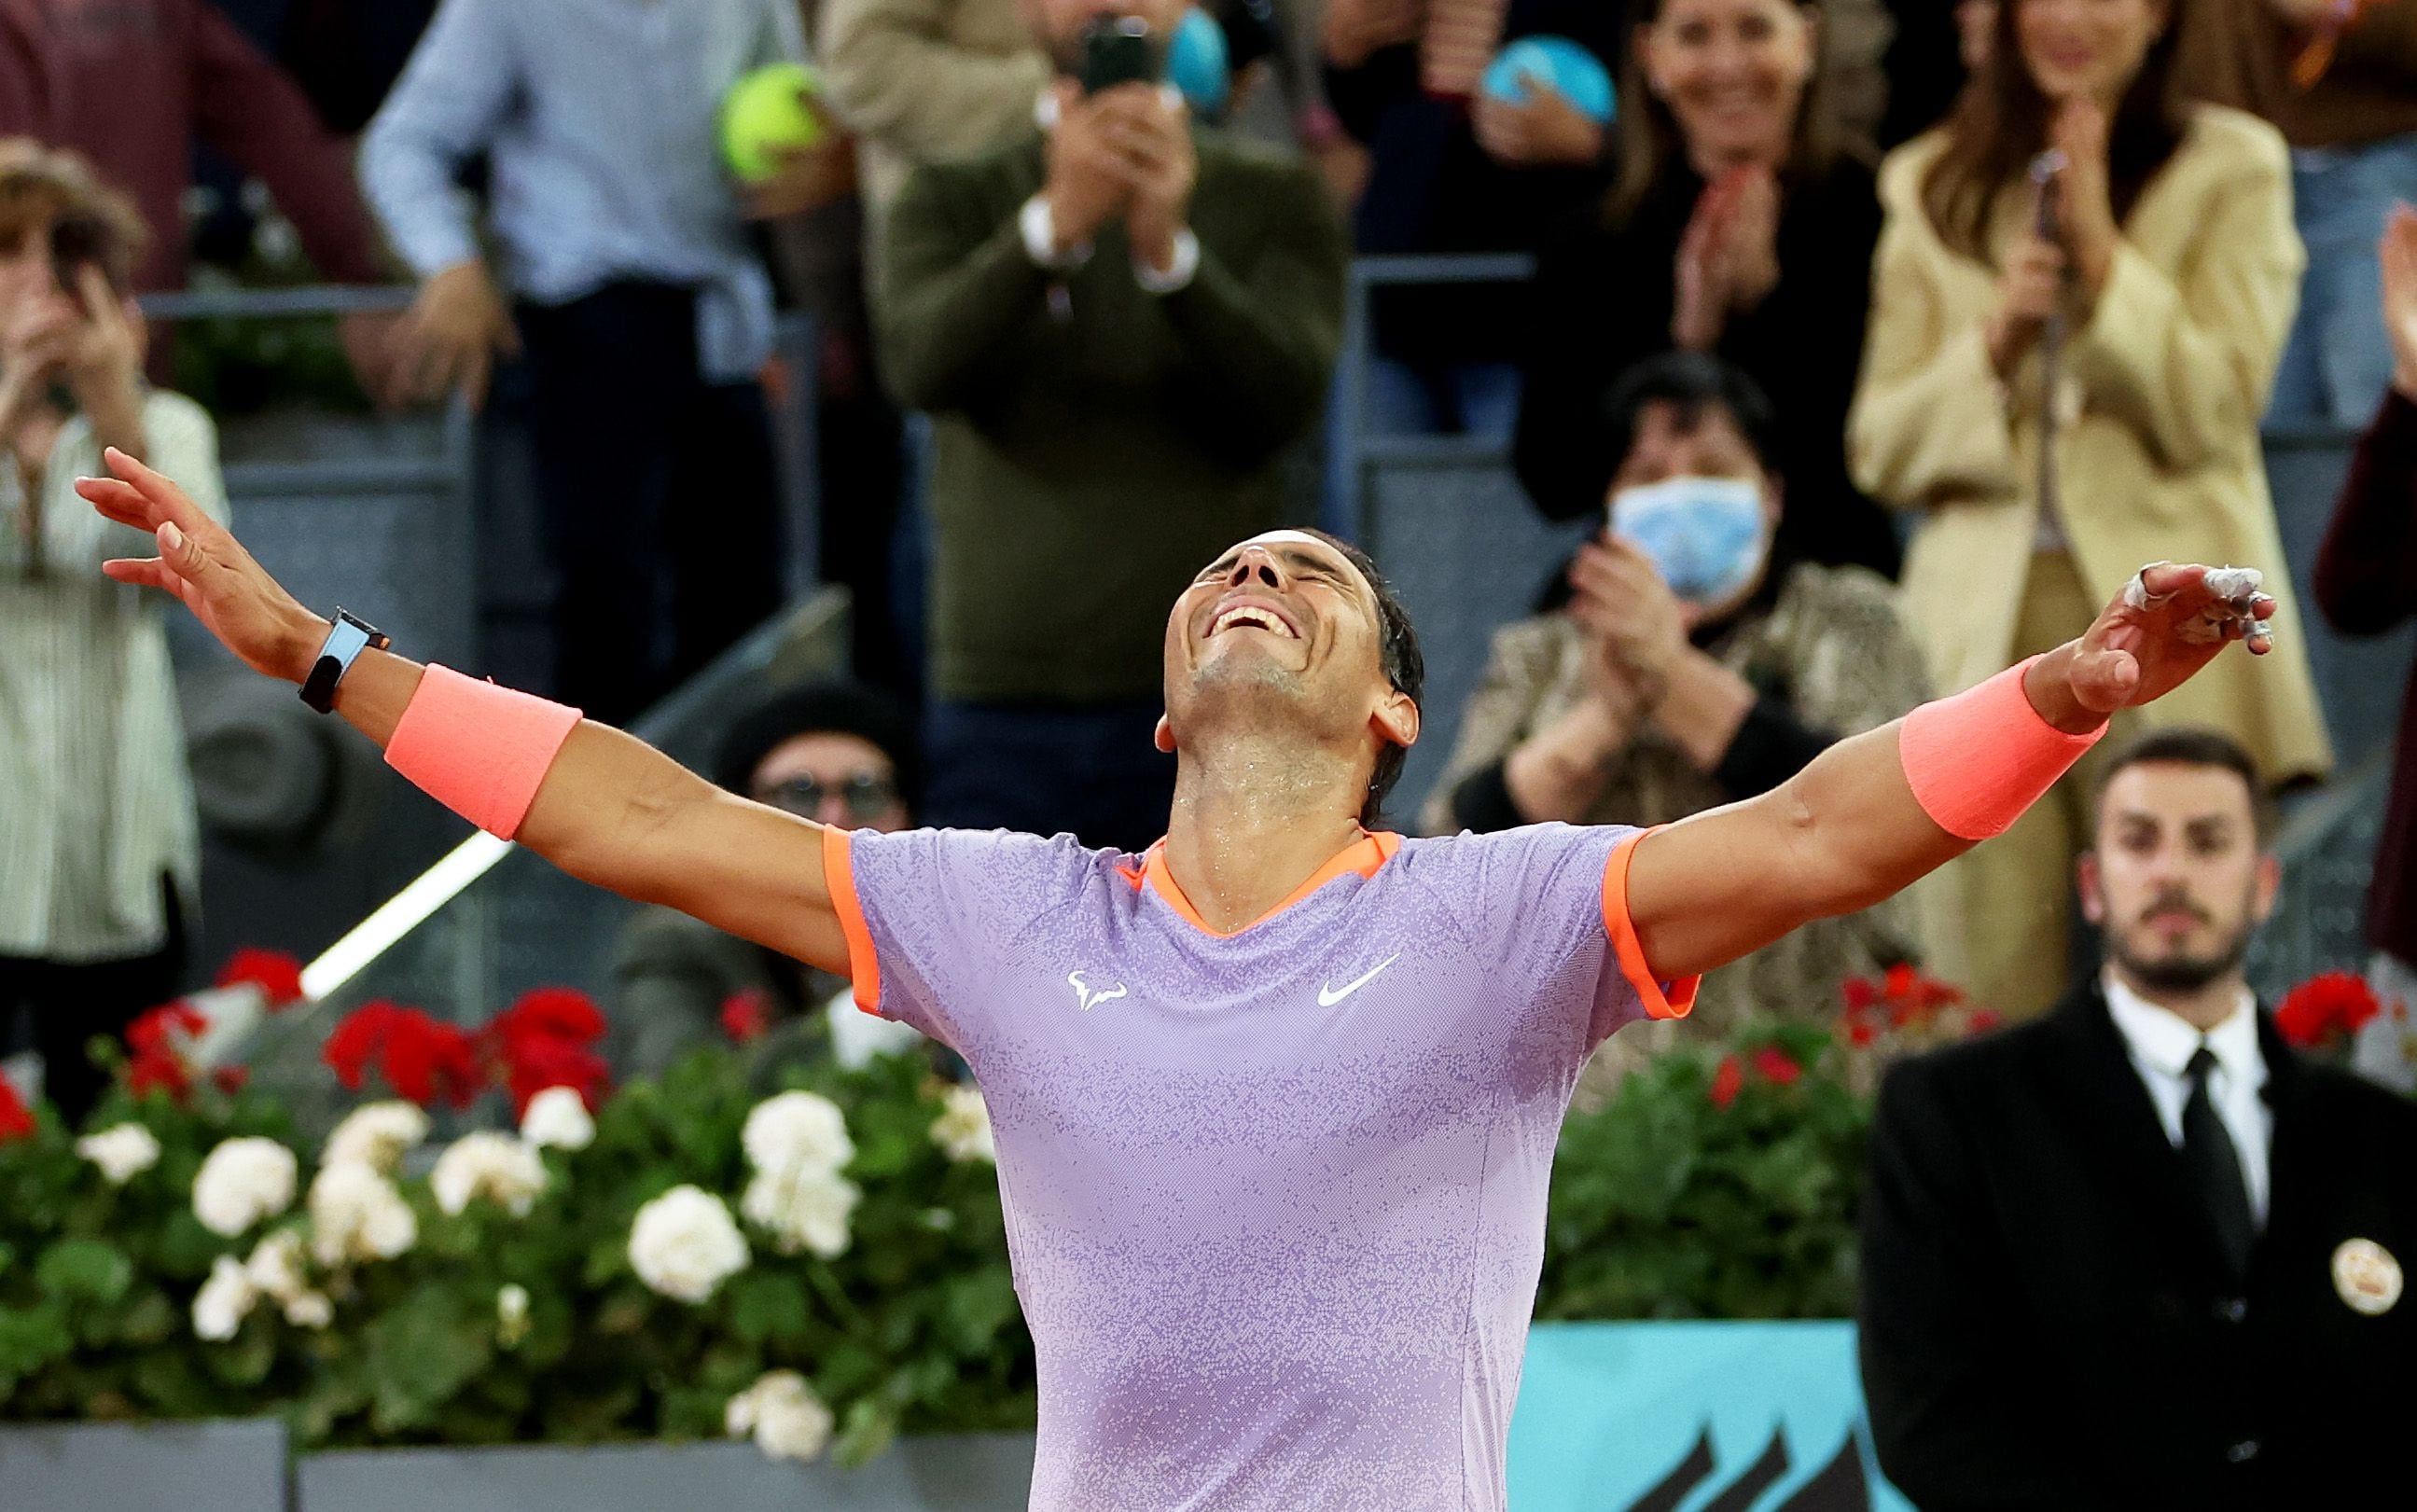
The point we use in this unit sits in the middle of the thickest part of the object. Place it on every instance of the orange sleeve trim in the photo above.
(863, 964)
(1661, 1000)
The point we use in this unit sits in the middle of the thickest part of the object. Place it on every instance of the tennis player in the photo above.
(1276, 1101)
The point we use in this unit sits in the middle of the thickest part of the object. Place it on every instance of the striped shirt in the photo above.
(601, 123)
(96, 805)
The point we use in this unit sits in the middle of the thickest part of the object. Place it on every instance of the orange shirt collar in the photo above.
(1362, 857)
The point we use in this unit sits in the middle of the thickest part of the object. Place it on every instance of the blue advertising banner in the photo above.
(1692, 1416)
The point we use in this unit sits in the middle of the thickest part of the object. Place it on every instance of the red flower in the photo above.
(555, 1063)
(541, 1041)
(1728, 1083)
(745, 1016)
(1860, 992)
(352, 1046)
(425, 1060)
(157, 1031)
(157, 1041)
(231, 1078)
(421, 1058)
(558, 1013)
(2326, 1007)
(1777, 1066)
(1859, 1032)
(277, 974)
(16, 1119)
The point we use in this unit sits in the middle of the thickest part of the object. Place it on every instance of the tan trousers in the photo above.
(2017, 889)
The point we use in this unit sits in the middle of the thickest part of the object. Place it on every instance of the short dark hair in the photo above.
(1694, 382)
(2190, 746)
(821, 708)
(1405, 668)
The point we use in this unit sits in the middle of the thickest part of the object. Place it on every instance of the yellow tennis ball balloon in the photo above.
(764, 116)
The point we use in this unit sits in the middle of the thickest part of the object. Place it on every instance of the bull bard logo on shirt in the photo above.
(1087, 997)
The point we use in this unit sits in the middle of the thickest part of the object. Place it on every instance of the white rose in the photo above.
(356, 1214)
(224, 1300)
(377, 1135)
(243, 1182)
(557, 1117)
(511, 1314)
(808, 1212)
(312, 1309)
(797, 1134)
(684, 1244)
(788, 1420)
(498, 1167)
(121, 1152)
(963, 1128)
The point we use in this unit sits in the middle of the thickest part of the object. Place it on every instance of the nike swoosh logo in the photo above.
(1328, 996)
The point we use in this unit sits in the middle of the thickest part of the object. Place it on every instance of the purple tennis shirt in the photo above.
(1275, 1198)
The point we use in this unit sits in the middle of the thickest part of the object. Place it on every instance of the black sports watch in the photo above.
(347, 640)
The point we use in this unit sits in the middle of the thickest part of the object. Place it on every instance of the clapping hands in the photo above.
(1729, 260)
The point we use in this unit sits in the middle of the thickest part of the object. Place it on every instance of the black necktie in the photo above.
(2214, 1164)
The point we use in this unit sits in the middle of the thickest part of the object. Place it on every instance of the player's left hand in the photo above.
(2168, 622)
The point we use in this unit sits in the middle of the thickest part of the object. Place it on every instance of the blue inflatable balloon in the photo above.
(1577, 75)
(1195, 64)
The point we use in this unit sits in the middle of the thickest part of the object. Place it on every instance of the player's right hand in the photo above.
(205, 567)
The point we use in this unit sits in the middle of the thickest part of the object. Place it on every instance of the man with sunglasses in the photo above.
(841, 754)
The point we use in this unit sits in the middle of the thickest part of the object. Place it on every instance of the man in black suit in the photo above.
(2140, 1254)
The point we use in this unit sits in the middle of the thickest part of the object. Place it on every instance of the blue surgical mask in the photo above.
(1707, 536)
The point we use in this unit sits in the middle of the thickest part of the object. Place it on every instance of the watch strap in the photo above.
(347, 640)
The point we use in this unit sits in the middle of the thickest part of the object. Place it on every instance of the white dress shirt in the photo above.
(600, 121)
(2161, 1046)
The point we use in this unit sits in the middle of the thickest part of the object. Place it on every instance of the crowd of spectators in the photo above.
(1866, 427)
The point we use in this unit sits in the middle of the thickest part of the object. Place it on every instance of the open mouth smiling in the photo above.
(1256, 616)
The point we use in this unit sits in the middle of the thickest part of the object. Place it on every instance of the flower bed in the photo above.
(809, 1259)
(678, 1259)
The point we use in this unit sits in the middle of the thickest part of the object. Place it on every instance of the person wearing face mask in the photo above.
(841, 754)
(1740, 225)
(1686, 660)
(2151, 280)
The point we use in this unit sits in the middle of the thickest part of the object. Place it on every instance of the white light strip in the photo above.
(402, 914)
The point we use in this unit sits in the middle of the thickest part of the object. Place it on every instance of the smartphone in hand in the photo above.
(1116, 50)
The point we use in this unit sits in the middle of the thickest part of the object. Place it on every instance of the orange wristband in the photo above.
(1978, 761)
(479, 749)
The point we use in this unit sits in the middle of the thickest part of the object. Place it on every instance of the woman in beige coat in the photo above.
(2168, 277)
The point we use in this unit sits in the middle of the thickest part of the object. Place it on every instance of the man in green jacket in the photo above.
(1119, 325)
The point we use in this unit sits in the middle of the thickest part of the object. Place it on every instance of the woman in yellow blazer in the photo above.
(2164, 251)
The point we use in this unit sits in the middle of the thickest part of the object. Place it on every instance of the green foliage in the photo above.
(1669, 1202)
(914, 1328)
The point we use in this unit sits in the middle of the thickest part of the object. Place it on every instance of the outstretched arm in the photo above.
(611, 811)
(1850, 829)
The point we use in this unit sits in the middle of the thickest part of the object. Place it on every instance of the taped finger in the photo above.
(2136, 593)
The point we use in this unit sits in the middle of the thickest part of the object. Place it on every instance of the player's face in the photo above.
(1283, 626)
(2178, 881)
(1280, 608)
